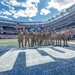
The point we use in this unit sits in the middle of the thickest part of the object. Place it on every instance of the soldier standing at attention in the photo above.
(27, 38)
(54, 36)
(32, 37)
(20, 36)
(47, 37)
(59, 39)
(44, 36)
(36, 38)
(50, 39)
(41, 37)
(65, 37)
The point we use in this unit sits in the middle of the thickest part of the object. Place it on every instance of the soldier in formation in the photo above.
(27, 38)
(42, 37)
(20, 36)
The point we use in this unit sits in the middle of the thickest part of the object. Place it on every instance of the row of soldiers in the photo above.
(40, 38)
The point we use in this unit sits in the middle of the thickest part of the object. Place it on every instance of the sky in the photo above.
(32, 10)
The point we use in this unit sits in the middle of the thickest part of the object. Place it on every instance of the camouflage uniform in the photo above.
(36, 38)
(44, 37)
(65, 37)
(20, 37)
(53, 37)
(27, 38)
(32, 35)
(59, 39)
(50, 39)
(47, 37)
(41, 37)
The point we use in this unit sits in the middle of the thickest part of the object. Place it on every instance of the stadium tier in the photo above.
(65, 19)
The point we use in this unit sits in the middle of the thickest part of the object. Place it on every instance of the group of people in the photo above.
(33, 38)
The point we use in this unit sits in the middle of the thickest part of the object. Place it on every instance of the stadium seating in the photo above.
(59, 22)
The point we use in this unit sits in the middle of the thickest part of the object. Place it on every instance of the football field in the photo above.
(44, 60)
(7, 42)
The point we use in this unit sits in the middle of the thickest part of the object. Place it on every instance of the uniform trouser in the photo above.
(27, 41)
(59, 41)
(50, 41)
(56, 41)
(65, 41)
(44, 42)
(20, 42)
(53, 41)
(32, 42)
(41, 41)
(35, 42)
(47, 41)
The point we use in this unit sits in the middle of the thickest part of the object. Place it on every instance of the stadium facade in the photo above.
(65, 19)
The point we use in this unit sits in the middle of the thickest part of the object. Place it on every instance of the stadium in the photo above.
(65, 19)
(41, 60)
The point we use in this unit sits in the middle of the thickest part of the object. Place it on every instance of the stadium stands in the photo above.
(65, 19)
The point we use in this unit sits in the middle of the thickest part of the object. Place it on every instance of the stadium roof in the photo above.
(64, 13)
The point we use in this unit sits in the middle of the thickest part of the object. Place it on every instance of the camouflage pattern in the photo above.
(20, 37)
(43, 37)
(27, 37)
(32, 35)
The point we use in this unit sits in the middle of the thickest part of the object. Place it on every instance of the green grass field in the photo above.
(7, 42)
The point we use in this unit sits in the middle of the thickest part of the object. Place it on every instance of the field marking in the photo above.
(33, 57)
(66, 55)
(7, 60)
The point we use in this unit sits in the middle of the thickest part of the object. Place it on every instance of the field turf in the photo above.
(7, 42)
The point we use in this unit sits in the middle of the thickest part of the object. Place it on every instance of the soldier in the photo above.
(44, 36)
(35, 38)
(41, 37)
(50, 39)
(47, 37)
(59, 39)
(27, 38)
(54, 36)
(65, 37)
(20, 36)
(32, 35)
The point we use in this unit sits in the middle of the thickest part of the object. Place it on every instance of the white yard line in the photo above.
(33, 57)
(7, 60)
(66, 55)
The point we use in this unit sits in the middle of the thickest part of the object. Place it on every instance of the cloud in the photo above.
(44, 11)
(18, 14)
(30, 8)
(5, 17)
(28, 12)
(11, 2)
(5, 12)
(30, 19)
(60, 4)
(56, 4)
(3, 3)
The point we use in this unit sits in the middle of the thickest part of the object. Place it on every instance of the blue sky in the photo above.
(32, 10)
